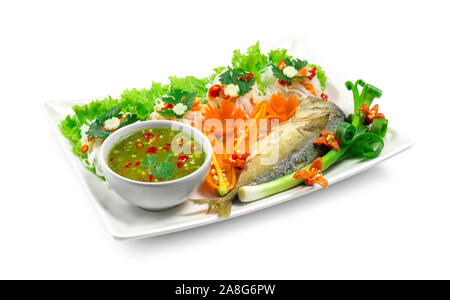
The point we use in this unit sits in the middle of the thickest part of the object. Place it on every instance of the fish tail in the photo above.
(221, 205)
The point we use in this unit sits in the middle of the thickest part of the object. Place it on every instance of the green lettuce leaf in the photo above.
(141, 102)
(217, 71)
(190, 84)
(275, 56)
(321, 76)
(253, 61)
(70, 127)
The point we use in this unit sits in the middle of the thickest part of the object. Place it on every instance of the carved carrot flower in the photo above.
(328, 139)
(313, 175)
(370, 114)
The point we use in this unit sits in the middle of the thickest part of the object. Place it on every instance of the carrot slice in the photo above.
(278, 103)
(302, 72)
(310, 88)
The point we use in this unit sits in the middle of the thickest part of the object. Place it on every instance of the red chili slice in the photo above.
(166, 148)
(324, 96)
(128, 165)
(148, 136)
(152, 150)
(313, 73)
(111, 159)
(180, 165)
(214, 91)
(137, 163)
(150, 177)
(167, 106)
(183, 158)
(139, 145)
(84, 148)
(282, 82)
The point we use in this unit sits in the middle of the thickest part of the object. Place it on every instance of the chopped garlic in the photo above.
(290, 71)
(232, 90)
(84, 129)
(112, 124)
(180, 109)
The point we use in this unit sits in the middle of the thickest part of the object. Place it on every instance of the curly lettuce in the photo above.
(321, 76)
(141, 102)
(275, 56)
(190, 84)
(253, 61)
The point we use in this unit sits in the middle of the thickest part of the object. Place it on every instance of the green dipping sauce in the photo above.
(147, 155)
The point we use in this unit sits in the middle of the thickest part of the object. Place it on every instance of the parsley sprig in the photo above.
(174, 97)
(243, 80)
(163, 169)
(97, 130)
(298, 64)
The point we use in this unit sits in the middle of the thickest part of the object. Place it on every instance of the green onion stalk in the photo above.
(356, 140)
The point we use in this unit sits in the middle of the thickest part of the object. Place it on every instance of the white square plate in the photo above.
(125, 221)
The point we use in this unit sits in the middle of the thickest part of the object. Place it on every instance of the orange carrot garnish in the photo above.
(310, 88)
(327, 139)
(227, 111)
(282, 108)
(196, 106)
(370, 114)
(313, 175)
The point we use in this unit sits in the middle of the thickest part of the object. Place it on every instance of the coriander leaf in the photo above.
(168, 114)
(189, 100)
(238, 77)
(150, 161)
(178, 94)
(299, 64)
(174, 97)
(164, 170)
(97, 129)
(245, 86)
(226, 78)
(130, 119)
(278, 73)
(169, 99)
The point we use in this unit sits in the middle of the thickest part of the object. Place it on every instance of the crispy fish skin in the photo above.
(286, 149)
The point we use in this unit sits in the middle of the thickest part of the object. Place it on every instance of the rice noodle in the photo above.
(93, 157)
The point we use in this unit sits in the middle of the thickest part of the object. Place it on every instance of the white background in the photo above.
(391, 222)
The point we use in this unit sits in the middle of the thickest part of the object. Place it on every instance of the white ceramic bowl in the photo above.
(155, 195)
